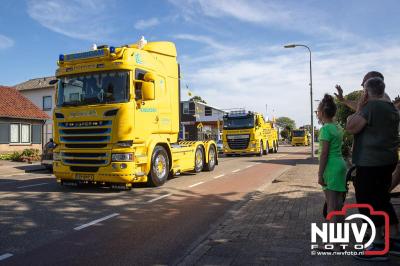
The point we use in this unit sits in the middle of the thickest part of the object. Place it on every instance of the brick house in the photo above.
(21, 122)
(42, 94)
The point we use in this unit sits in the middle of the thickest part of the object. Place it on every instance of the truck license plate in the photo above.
(84, 177)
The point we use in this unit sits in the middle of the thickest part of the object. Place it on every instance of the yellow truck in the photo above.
(248, 133)
(300, 137)
(117, 118)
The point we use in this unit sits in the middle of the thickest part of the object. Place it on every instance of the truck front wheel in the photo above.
(159, 167)
(261, 152)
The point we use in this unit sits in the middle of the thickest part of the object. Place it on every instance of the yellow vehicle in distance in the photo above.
(117, 118)
(248, 133)
(300, 137)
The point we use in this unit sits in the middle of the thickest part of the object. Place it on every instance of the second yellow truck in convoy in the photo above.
(300, 137)
(117, 118)
(248, 133)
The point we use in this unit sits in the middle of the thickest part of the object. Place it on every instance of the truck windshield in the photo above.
(239, 122)
(298, 133)
(93, 88)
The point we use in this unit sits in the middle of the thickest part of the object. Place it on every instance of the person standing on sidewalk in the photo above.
(375, 129)
(332, 167)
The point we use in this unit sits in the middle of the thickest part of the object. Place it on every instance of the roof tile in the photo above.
(14, 104)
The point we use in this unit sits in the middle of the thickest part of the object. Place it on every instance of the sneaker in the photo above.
(394, 248)
(374, 247)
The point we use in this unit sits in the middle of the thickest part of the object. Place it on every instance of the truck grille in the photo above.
(83, 159)
(238, 142)
(84, 169)
(85, 134)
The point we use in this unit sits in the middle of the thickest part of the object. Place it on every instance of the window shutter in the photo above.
(4, 133)
(36, 134)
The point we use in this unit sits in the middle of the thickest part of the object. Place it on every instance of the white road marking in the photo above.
(35, 185)
(218, 176)
(5, 256)
(235, 171)
(161, 197)
(251, 165)
(96, 221)
(196, 184)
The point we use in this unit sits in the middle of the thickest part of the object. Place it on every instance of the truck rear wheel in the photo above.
(275, 146)
(159, 167)
(212, 159)
(198, 159)
(260, 154)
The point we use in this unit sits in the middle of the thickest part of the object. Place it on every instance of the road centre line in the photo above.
(35, 185)
(5, 256)
(158, 198)
(96, 221)
(218, 176)
(235, 171)
(196, 184)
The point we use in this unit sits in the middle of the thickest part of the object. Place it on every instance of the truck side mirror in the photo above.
(148, 92)
(149, 77)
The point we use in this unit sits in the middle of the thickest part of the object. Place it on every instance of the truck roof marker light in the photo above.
(61, 58)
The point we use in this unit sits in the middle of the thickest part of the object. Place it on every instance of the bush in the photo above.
(16, 156)
(26, 155)
(6, 156)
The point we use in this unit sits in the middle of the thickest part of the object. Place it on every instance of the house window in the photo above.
(14, 133)
(208, 111)
(47, 103)
(186, 108)
(25, 133)
(20, 133)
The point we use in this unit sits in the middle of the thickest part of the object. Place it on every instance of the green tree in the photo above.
(285, 134)
(197, 99)
(343, 111)
(341, 116)
(286, 123)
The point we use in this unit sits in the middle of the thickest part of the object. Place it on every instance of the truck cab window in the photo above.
(139, 75)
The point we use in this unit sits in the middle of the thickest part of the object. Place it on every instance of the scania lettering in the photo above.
(117, 118)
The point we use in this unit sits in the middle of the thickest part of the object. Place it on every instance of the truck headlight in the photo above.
(56, 156)
(122, 157)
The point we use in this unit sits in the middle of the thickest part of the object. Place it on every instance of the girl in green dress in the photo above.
(332, 167)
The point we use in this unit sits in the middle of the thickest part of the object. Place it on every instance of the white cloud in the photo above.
(80, 19)
(6, 42)
(281, 80)
(288, 16)
(146, 23)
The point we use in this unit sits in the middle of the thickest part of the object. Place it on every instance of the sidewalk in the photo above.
(11, 168)
(273, 226)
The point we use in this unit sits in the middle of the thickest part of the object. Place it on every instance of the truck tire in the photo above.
(198, 159)
(159, 170)
(271, 149)
(275, 146)
(262, 151)
(266, 152)
(212, 159)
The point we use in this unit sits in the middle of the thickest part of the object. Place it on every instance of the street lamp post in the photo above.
(311, 96)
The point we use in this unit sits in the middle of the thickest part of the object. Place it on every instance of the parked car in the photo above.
(47, 155)
(220, 146)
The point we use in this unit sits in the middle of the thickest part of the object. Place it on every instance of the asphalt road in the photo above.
(42, 223)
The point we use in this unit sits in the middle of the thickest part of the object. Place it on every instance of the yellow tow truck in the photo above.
(248, 133)
(300, 137)
(116, 120)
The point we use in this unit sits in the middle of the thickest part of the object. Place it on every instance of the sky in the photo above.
(231, 51)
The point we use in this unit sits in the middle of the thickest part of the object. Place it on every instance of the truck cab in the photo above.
(248, 133)
(300, 137)
(117, 118)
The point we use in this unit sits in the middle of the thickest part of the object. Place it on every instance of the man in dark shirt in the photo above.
(375, 129)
